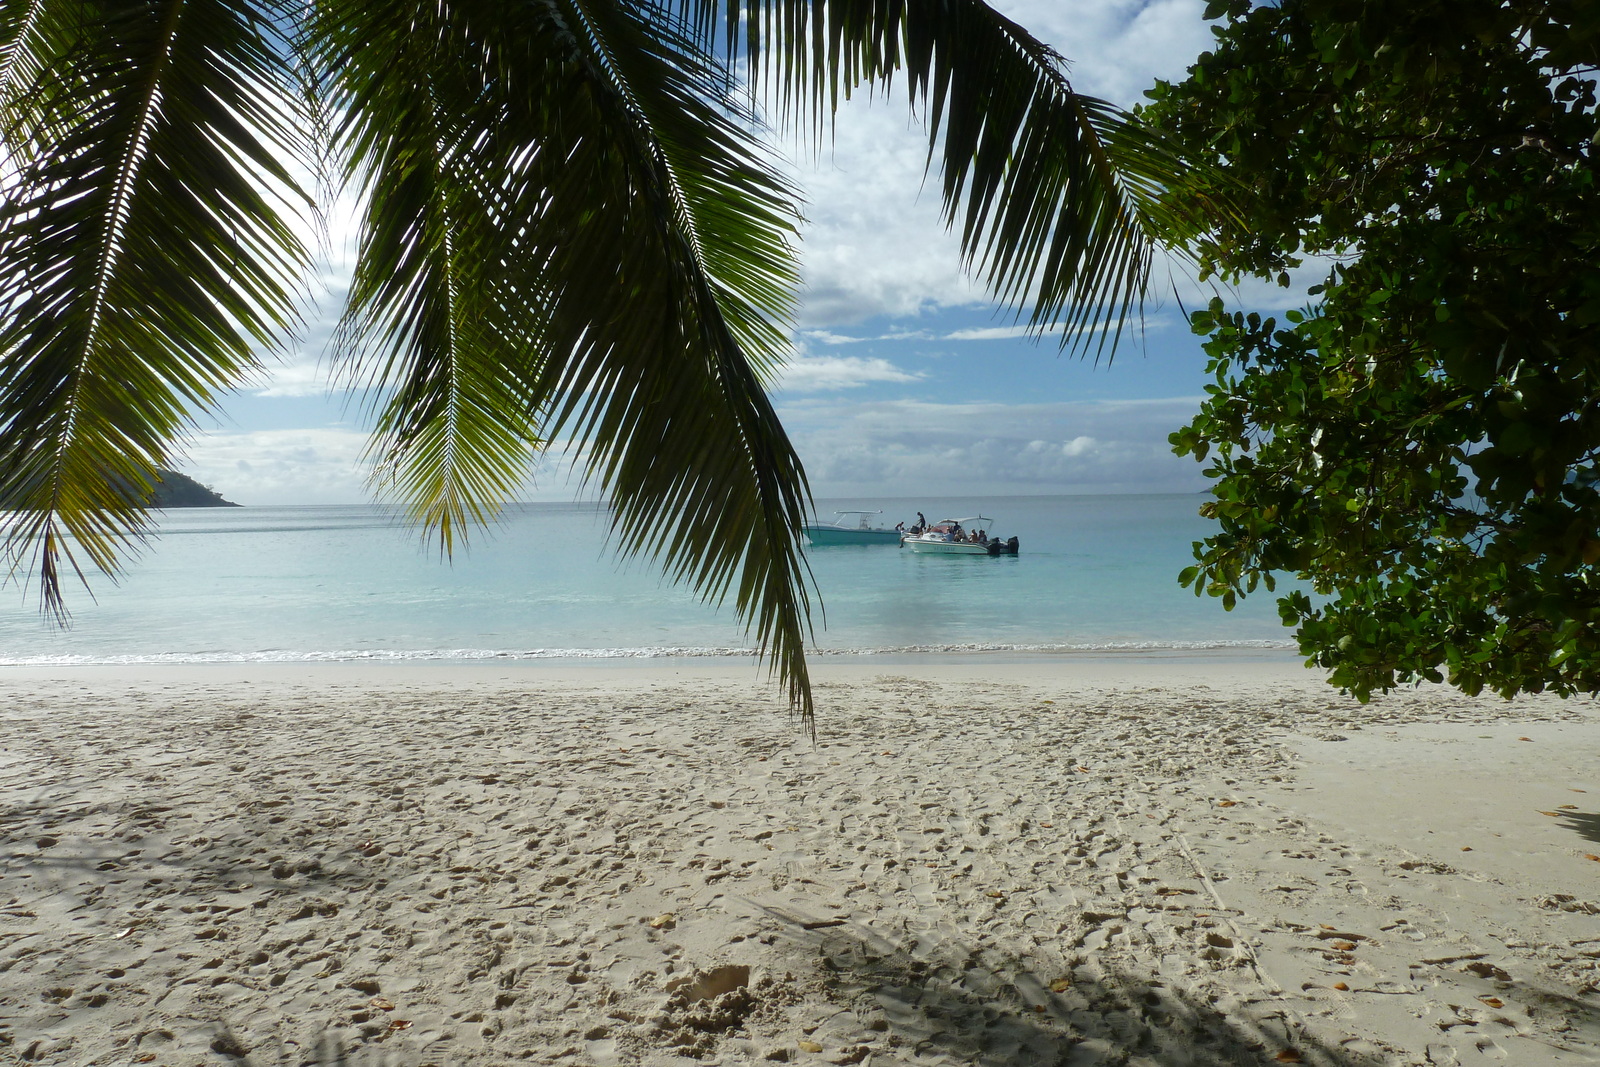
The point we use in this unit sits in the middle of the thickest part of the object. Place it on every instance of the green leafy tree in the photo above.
(1418, 445)
(570, 228)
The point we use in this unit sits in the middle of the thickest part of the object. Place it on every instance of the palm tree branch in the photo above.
(1057, 197)
(426, 329)
(659, 320)
(117, 325)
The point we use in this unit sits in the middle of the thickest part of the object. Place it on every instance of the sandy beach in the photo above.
(1056, 861)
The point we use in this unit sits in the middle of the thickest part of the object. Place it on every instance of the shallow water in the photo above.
(311, 583)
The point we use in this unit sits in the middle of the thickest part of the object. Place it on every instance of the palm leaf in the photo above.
(578, 176)
(1058, 197)
(443, 349)
(140, 262)
(697, 232)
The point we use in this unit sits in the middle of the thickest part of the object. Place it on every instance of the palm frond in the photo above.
(445, 351)
(666, 387)
(140, 262)
(1058, 197)
(576, 174)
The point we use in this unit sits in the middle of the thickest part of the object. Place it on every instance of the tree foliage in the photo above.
(1421, 444)
(571, 228)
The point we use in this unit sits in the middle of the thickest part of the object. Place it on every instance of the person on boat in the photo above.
(899, 527)
(983, 537)
(922, 522)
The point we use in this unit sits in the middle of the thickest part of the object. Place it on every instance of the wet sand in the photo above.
(1010, 863)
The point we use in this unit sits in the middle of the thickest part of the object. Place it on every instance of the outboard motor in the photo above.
(1011, 545)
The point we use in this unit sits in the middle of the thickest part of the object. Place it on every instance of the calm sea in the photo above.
(1095, 573)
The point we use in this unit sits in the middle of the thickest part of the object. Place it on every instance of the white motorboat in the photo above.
(960, 537)
(853, 528)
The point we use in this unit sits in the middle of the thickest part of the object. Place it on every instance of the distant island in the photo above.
(174, 490)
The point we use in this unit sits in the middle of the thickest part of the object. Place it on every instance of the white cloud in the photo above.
(996, 333)
(1017, 331)
(828, 337)
(302, 369)
(326, 466)
(875, 448)
(873, 242)
(806, 373)
(297, 376)
(1116, 49)
(906, 447)
(310, 466)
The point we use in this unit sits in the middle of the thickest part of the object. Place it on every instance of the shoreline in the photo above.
(1116, 861)
(1244, 651)
(754, 679)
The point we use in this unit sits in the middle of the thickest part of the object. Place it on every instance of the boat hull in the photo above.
(945, 548)
(961, 548)
(831, 535)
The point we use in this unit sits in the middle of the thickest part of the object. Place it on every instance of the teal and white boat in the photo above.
(853, 528)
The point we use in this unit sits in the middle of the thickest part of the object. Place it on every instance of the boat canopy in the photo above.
(865, 522)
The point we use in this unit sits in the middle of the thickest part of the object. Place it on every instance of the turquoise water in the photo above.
(328, 583)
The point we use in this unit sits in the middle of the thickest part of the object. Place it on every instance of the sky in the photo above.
(907, 380)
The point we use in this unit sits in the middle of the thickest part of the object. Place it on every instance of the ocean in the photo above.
(286, 584)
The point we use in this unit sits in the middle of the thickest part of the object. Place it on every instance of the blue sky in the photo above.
(906, 381)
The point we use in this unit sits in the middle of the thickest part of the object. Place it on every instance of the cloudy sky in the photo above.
(906, 380)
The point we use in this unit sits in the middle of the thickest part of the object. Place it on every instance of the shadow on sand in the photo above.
(1583, 823)
(961, 1005)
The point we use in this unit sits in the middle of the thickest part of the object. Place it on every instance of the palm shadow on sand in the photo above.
(1583, 823)
(963, 1005)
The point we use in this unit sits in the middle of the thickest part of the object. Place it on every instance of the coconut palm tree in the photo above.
(571, 229)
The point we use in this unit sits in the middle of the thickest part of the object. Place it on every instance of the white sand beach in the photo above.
(1057, 861)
